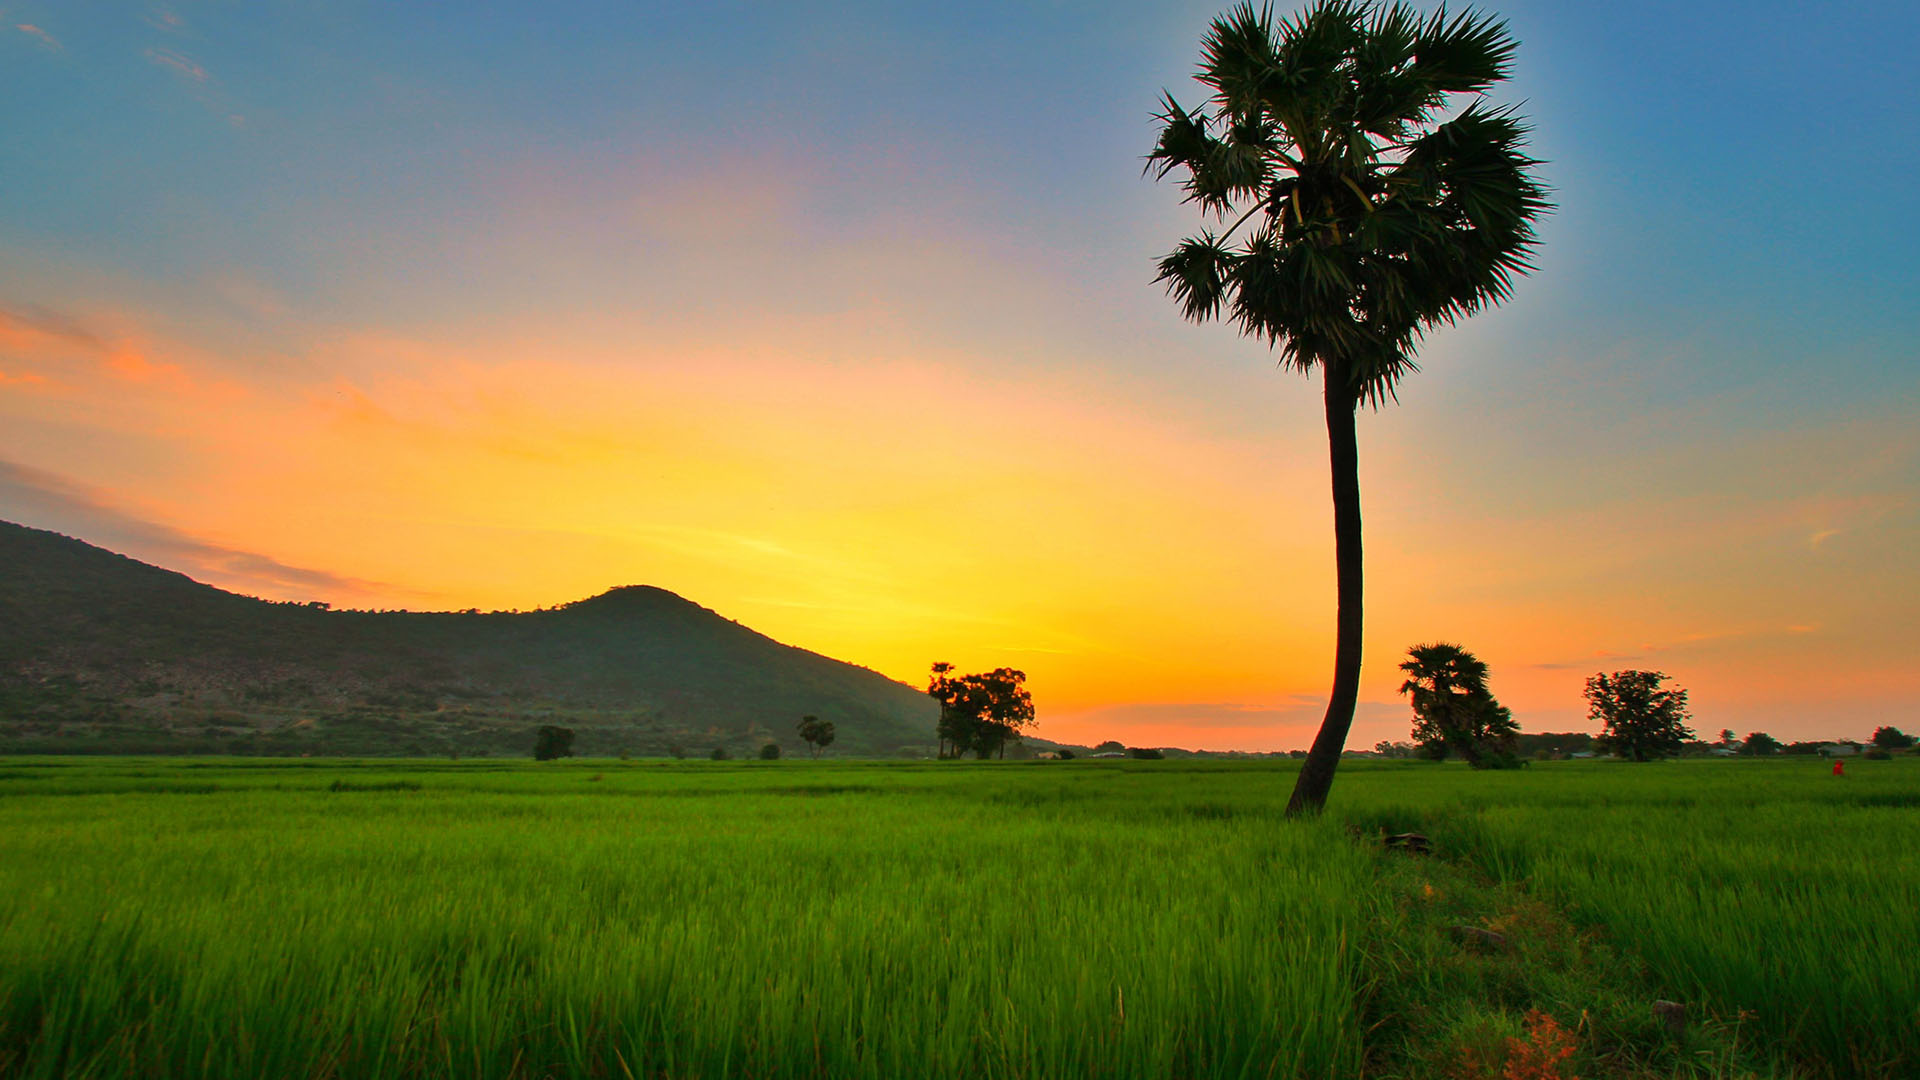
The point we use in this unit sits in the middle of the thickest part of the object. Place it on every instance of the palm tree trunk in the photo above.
(1316, 775)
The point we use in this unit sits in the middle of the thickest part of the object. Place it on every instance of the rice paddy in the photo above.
(247, 918)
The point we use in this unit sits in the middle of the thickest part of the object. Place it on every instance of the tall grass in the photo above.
(754, 920)
(782, 919)
(1765, 887)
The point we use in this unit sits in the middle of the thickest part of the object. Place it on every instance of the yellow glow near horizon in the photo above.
(1159, 583)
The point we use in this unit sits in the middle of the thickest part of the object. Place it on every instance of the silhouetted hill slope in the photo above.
(99, 651)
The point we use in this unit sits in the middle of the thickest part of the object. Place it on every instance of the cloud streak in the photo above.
(41, 499)
(178, 64)
(46, 41)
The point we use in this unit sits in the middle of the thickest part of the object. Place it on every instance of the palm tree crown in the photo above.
(1441, 671)
(1379, 215)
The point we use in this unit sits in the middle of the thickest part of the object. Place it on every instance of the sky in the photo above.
(839, 319)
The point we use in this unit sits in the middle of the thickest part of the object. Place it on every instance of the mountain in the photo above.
(99, 652)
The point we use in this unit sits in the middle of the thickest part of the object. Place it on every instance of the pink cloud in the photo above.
(179, 64)
(47, 41)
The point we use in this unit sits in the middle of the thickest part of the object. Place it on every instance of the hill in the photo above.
(100, 652)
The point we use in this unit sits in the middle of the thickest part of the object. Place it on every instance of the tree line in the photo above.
(1641, 718)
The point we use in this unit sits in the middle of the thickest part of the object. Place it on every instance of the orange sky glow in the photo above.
(840, 320)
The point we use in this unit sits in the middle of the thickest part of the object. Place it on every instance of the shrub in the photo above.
(1145, 753)
(719, 754)
(770, 752)
(553, 742)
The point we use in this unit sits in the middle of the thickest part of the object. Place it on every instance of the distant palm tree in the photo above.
(1377, 215)
(1452, 706)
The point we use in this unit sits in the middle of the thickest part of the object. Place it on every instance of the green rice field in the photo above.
(308, 918)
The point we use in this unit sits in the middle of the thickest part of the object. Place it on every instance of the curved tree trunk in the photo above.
(1316, 775)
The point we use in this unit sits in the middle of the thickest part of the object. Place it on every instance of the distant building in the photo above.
(1839, 749)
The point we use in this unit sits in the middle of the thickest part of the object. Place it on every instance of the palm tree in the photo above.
(1379, 210)
(1452, 705)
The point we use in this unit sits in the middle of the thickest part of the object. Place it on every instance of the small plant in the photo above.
(1540, 1054)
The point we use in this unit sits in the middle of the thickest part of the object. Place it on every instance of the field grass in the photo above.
(1118, 919)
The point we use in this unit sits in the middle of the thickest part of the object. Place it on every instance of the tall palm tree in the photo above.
(1377, 207)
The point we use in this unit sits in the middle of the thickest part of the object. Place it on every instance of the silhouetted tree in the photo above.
(942, 689)
(1145, 753)
(1639, 719)
(552, 742)
(1891, 738)
(1382, 214)
(770, 752)
(980, 714)
(1759, 744)
(1453, 711)
(817, 733)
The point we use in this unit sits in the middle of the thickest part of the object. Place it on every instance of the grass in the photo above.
(1117, 919)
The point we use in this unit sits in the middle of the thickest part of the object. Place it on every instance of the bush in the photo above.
(770, 752)
(719, 754)
(1877, 754)
(1065, 754)
(1145, 753)
(553, 742)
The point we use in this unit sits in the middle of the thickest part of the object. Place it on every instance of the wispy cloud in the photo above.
(18, 323)
(41, 499)
(178, 64)
(47, 41)
(165, 19)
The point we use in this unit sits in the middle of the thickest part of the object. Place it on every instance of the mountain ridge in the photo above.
(99, 651)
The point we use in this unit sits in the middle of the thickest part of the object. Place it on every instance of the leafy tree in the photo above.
(944, 689)
(1640, 719)
(552, 742)
(980, 714)
(1111, 746)
(817, 733)
(1891, 738)
(1759, 744)
(1381, 212)
(1728, 739)
(719, 753)
(1453, 711)
(1145, 753)
(770, 752)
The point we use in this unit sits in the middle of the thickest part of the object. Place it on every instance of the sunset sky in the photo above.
(840, 320)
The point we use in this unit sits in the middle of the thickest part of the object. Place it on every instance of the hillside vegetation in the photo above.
(99, 652)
